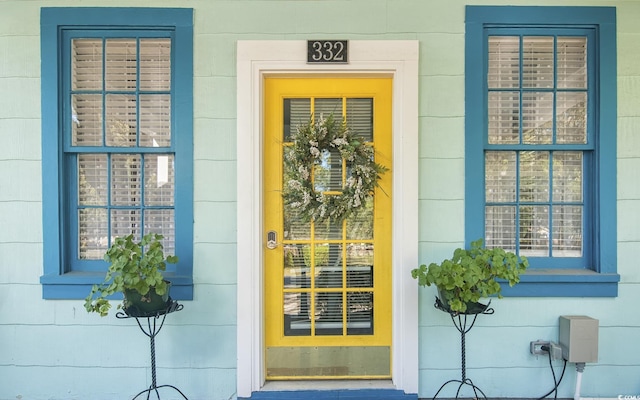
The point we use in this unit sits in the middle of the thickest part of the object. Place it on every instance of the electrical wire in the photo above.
(553, 372)
(556, 383)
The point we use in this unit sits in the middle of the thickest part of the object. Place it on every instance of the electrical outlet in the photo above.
(535, 347)
(555, 350)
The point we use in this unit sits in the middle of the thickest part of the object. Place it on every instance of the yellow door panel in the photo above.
(327, 285)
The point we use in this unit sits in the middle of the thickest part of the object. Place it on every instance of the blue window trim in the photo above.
(600, 279)
(58, 281)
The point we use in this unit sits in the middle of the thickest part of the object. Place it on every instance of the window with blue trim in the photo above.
(117, 140)
(541, 143)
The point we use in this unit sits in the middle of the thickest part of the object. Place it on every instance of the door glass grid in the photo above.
(328, 267)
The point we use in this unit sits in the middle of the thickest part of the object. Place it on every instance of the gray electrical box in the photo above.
(578, 338)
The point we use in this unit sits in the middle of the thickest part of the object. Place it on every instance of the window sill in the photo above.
(77, 285)
(564, 283)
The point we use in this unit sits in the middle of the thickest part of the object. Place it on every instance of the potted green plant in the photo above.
(471, 274)
(135, 270)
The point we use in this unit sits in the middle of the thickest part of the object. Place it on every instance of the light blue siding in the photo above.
(53, 349)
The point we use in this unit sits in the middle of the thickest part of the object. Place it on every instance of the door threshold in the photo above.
(277, 386)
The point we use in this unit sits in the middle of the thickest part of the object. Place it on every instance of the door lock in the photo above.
(272, 241)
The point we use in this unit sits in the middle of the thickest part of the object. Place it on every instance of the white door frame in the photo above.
(257, 59)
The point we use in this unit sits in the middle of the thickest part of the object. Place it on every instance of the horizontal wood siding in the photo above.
(55, 350)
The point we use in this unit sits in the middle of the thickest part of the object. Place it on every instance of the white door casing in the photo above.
(256, 59)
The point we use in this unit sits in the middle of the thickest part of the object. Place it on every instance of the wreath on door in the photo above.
(311, 143)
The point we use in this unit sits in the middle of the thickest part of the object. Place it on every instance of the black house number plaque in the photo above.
(327, 51)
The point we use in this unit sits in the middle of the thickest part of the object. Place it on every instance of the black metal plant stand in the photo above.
(151, 328)
(461, 322)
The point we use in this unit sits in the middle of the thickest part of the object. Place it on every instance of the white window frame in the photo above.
(257, 59)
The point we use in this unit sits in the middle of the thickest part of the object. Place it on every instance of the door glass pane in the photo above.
(360, 117)
(296, 270)
(360, 313)
(328, 312)
(295, 228)
(296, 113)
(360, 265)
(327, 230)
(329, 265)
(324, 107)
(360, 223)
(297, 312)
(327, 175)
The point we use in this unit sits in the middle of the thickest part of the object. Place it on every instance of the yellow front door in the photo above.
(327, 285)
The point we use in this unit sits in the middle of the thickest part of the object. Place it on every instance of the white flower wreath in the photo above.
(310, 141)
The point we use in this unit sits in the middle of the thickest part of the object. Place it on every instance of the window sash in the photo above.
(150, 108)
(518, 94)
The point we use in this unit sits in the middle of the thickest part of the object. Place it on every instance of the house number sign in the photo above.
(327, 51)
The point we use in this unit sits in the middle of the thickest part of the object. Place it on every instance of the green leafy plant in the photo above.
(136, 266)
(471, 274)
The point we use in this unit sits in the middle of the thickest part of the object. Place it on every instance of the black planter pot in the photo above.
(472, 307)
(146, 306)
